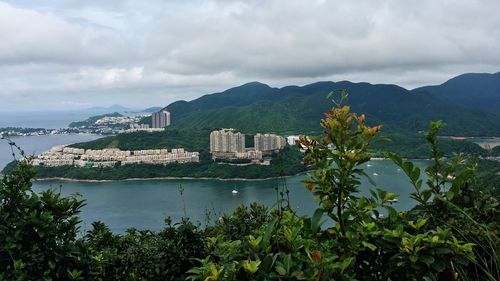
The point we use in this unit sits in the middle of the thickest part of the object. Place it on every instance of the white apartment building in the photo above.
(160, 119)
(268, 142)
(292, 139)
(226, 140)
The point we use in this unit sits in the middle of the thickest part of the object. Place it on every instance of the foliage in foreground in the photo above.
(451, 234)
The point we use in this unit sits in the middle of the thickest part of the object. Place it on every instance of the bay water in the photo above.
(144, 204)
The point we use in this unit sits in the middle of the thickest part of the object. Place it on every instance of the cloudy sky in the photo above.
(69, 54)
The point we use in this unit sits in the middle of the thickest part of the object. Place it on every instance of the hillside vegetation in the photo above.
(189, 139)
(451, 234)
(256, 107)
(479, 91)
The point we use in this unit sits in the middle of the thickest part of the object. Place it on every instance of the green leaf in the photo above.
(408, 168)
(391, 196)
(281, 271)
(251, 266)
(426, 194)
(426, 259)
(268, 232)
(346, 263)
(268, 262)
(75, 275)
(415, 174)
(454, 189)
(438, 265)
(316, 221)
(369, 245)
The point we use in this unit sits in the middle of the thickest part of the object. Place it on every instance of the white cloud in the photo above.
(29, 36)
(152, 53)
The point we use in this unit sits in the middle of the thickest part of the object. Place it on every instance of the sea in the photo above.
(42, 119)
(144, 204)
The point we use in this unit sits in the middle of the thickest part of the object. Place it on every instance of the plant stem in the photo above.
(339, 212)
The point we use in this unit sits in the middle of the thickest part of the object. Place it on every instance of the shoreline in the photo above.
(164, 178)
(193, 178)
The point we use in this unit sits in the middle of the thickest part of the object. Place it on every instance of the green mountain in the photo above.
(256, 107)
(480, 91)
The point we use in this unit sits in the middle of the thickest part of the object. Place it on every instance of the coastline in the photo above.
(165, 179)
(194, 178)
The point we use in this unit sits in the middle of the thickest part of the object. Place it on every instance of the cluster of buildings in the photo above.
(227, 143)
(111, 157)
(224, 144)
(143, 128)
(24, 132)
(127, 124)
(118, 120)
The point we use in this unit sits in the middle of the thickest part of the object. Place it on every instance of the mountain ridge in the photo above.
(475, 90)
(255, 106)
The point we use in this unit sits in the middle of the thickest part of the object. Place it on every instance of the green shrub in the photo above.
(362, 244)
(143, 254)
(452, 233)
(37, 231)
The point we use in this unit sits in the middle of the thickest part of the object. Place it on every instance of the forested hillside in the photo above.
(256, 107)
(479, 91)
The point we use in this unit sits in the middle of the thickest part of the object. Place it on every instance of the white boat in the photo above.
(369, 165)
(234, 191)
(375, 174)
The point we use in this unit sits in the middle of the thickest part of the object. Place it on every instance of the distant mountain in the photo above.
(256, 107)
(479, 91)
(103, 110)
(151, 109)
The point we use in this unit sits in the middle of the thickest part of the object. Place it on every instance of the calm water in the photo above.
(145, 204)
(42, 119)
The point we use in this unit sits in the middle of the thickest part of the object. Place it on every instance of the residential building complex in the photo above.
(160, 119)
(268, 142)
(143, 128)
(63, 155)
(226, 141)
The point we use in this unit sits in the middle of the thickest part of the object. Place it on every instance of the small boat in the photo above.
(375, 174)
(234, 191)
(369, 165)
(395, 200)
(399, 170)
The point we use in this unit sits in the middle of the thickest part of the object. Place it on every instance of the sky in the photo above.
(68, 54)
